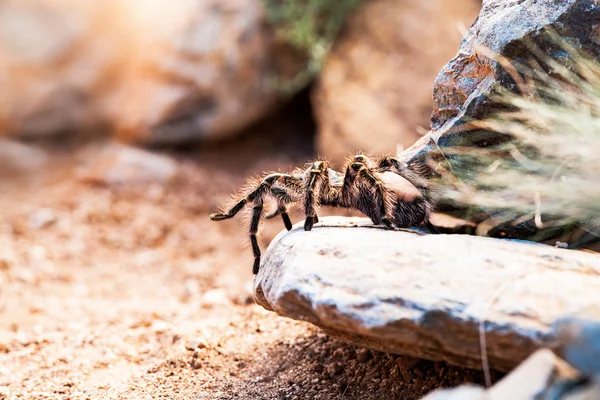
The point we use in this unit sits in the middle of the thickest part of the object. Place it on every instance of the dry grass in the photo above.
(550, 164)
(311, 27)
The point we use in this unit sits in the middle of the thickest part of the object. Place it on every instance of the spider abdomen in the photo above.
(399, 186)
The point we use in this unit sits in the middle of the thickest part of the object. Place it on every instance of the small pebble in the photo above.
(334, 369)
(363, 356)
(196, 344)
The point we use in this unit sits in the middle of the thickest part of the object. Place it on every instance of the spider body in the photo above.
(385, 190)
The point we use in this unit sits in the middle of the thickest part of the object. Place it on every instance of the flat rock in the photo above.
(543, 376)
(425, 295)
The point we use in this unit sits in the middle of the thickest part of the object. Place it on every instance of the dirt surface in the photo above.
(132, 293)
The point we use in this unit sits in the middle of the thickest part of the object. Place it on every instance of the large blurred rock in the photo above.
(463, 88)
(202, 73)
(116, 164)
(160, 71)
(18, 158)
(428, 296)
(56, 63)
(376, 86)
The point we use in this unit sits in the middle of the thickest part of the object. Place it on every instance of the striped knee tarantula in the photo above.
(385, 190)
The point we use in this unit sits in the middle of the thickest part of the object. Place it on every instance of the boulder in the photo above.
(428, 296)
(201, 73)
(463, 90)
(166, 72)
(375, 90)
(56, 63)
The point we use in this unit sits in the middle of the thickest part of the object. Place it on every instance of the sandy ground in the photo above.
(132, 293)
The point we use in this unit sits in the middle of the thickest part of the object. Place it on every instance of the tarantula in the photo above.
(385, 190)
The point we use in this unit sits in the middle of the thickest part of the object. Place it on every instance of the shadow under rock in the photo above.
(284, 139)
(321, 367)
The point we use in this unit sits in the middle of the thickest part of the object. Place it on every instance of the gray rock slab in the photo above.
(428, 296)
(464, 89)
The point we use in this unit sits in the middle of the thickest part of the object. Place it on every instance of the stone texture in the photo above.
(166, 72)
(580, 344)
(427, 295)
(463, 88)
(375, 89)
(543, 376)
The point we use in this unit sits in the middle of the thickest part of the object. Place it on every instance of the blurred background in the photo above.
(166, 74)
(123, 124)
(197, 96)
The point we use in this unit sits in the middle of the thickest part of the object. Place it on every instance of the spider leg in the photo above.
(256, 197)
(283, 199)
(231, 213)
(432, 228)
(254, 222)
(259, 191)
(316, 178)
(358, 171)
(381, 196)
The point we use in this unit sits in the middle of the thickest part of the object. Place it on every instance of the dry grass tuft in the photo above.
(550, 164)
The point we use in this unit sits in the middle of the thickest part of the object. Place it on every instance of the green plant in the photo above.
(311, 27)
(549, 168)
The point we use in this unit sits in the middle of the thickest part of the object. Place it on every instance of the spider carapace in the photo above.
(385, 190)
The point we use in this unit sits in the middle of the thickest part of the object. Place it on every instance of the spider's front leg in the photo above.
(256, 197)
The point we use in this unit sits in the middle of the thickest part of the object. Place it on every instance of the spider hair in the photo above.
(389, 192)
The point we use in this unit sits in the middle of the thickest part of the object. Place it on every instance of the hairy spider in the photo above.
(385, 190)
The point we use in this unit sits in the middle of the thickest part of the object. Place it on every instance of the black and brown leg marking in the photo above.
(317, 174)
(381, 196)
(283, 200)
(360, 168)
(260, 191)
(254, 222)
(256, 197)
